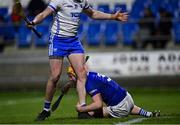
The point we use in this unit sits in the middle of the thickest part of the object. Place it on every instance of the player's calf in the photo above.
(140, 111)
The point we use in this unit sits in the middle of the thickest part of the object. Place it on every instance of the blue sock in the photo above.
(145, 113)
(47, 105)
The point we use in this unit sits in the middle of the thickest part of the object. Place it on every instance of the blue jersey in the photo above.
(112, 93)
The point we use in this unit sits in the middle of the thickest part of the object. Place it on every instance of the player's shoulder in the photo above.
(92, 74)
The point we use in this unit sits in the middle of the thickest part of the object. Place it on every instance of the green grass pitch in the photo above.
(23, 107)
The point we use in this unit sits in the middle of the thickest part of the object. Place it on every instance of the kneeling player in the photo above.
(101, 88)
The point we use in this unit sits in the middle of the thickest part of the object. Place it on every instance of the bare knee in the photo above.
(81, 74)
(54, 78)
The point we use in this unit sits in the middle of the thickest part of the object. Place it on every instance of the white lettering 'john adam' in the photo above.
(67, 16)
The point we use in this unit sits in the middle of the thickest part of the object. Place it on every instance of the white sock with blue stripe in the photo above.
(47, 105)
(145, 113)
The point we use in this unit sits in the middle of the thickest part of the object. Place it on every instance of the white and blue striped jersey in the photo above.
(67, 16)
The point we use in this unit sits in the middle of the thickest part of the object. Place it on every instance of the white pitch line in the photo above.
(136, 120)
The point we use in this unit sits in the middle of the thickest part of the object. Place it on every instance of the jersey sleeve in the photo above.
(91, 89)
(53, 4)
(86, 6)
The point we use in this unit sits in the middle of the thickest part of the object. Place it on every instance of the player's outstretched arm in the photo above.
(120, 16)
(96, 104)
(40, 17)
(106, 16)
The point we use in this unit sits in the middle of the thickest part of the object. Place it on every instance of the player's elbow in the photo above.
(93, 14)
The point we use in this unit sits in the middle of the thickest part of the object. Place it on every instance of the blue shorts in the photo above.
(64, 46)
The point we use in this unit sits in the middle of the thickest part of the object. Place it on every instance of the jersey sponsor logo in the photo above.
(75, 14)
(100, 75)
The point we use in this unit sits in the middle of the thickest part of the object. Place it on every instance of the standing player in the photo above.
(63, 42)
(101, 88)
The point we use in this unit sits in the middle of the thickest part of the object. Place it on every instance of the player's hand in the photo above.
(79, 108)
(30, 25)
(120, 16)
